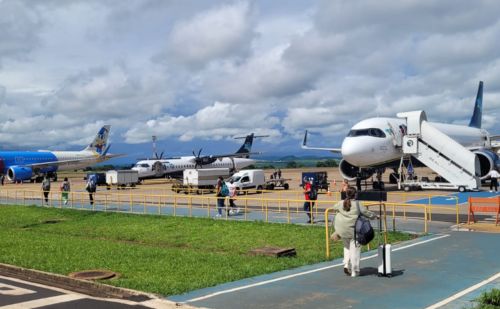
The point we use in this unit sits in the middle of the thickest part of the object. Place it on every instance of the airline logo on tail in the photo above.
(100, 141)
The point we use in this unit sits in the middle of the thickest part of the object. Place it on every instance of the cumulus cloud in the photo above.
(19, 28)
(221, 32)
(113, 92)
(157, 67)
(212, 122)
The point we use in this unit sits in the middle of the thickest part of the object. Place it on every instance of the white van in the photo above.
(248, 179)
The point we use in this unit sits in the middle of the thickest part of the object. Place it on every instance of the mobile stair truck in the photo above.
(121, 178)
(200, 181)
(452, 161)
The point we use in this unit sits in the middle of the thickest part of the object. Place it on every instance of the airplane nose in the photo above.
(354, 152)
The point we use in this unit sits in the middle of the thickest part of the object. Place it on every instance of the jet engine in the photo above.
(349, 171)
(158, 168)
(16, 173)
(488, 160)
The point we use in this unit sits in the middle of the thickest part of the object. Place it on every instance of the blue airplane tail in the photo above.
(99, 144)
(247, 145)
(475, 121)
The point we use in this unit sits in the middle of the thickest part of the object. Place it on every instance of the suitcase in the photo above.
(384, 250)
(384, 260)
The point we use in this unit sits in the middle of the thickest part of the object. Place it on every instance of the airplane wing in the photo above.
(304, 146)
(234, 155)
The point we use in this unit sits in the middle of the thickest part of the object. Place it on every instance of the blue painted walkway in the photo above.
(451, 199)
(426, 273)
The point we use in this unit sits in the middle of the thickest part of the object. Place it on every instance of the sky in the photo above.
(196, 73)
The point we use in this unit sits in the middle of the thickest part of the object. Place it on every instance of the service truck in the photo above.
(121, 178)
(200, 180)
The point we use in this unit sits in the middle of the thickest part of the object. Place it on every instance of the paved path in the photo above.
(427, 271)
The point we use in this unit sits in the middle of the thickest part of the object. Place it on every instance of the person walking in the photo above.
(233, 192)
(46, 189)
(91, 188)
(493, 175)
(347, 212)
(65, 188)
(2, 179)
(310, 196)
(221, 191)
(343, 189)
(358, 181)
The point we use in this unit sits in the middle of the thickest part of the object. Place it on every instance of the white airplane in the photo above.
(369, 145)
(174, 167)
(27, 165)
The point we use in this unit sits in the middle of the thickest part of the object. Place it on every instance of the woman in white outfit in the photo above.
(347, 213)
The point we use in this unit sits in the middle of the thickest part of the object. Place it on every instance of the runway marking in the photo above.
(303, 273)
(464, 292)
(45, 301)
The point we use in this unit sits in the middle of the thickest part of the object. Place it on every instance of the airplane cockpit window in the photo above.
(367, 132)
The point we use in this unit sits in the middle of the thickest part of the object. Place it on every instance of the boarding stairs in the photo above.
(459, 166)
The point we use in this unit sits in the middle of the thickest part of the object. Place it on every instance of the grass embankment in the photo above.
(165, 255)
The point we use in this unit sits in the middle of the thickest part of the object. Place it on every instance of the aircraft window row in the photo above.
(366, 132)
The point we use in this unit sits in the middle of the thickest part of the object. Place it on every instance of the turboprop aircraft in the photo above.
(173, 167)
(34, 165)
(370, 145)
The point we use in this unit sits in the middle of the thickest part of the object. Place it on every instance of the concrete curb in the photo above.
(76, 285)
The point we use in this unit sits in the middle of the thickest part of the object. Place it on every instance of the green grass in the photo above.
(489, 300)
(158, 254)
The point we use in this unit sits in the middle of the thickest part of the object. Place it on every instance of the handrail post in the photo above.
(288, 211)
(327, 234)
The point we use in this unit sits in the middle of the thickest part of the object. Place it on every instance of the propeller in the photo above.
(199, 160)
(160, 156)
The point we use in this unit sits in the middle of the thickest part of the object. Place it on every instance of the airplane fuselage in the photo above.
(25, 162)
(371, 142)
(146, 168)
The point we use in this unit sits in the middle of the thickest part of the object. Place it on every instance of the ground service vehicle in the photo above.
(122, 178)
(200, 180)
(255, 179)
(320, 179)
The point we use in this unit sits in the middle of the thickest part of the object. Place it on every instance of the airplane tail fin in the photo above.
(247, 145)
(475, 121)
(99, 144)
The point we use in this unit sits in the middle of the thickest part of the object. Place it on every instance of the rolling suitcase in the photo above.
(384, 260)
(384, 251)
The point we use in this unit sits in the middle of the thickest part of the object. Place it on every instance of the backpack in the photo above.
(91, 186)
(363, 230)
(65, 186)
(224, 191)
(313, 193)
(46, 185)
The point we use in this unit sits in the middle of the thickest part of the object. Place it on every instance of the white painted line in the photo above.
(302, 273)
(7, 289)
(464, 292)
(44, 301)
